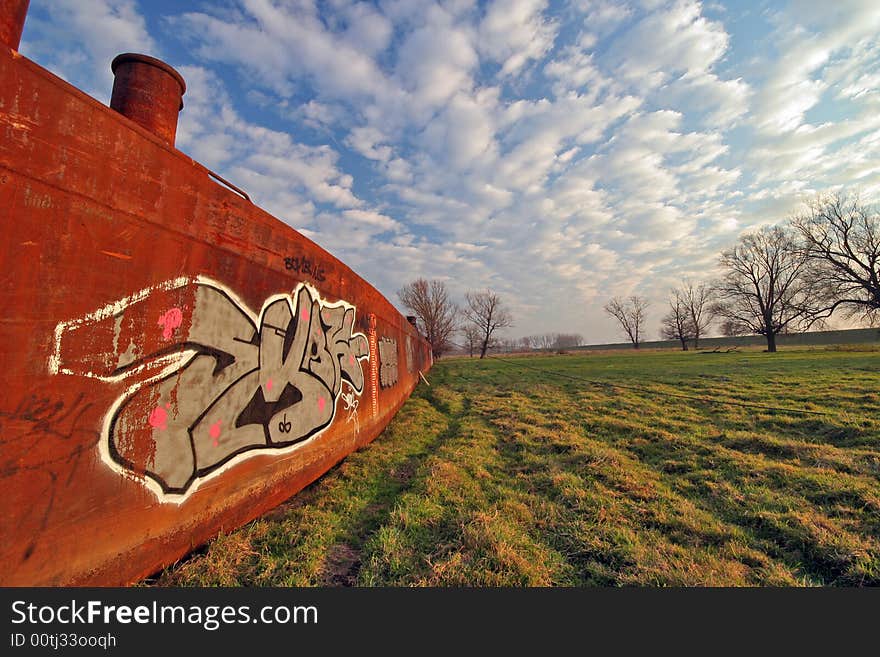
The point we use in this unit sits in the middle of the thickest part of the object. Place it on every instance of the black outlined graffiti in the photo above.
(305, 266)
(222, 383)
(387, 362)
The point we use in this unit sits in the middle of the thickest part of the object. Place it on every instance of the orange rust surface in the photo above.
(148, 91)
(12, 17)
(96, 211)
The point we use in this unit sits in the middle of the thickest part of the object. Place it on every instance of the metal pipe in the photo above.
(149, 92)
(12, 15)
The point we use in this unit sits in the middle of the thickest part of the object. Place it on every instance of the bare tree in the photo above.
(567, 340)
(487, 312)
(733, 329)
(508, 345)
(630, 313)
(677, 324)
(438, 316)
(471, 336)
(545, 340)
(841, 238)
(764, 290)
(698, 302)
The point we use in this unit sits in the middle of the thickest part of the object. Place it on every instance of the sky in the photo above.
(558, 153)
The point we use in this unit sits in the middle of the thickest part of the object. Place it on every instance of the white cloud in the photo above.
(726, 101)
(282, 45)
(279, 173)
(368, 141)
(575, 71)
(603, 15)
(77, 39)
(810, 34)
(435, 62)
(515, 32)
(667, 43)
(557, 152)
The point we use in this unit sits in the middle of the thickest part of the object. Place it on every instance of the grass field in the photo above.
(502, 474)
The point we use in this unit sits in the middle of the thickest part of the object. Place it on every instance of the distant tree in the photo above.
(731, 328)
(567, 340)
(486, 311)
(508, 345)
(764, 289)
(526, 343)
(677, 323)
(698, 303)
(630, 314)
(841, 238)
(471, 336)
(436, 314)
(545, 340)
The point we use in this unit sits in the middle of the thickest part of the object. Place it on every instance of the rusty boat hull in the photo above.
(176, 360)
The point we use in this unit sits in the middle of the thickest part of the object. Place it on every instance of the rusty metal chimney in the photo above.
(12, 15)
(149, 92)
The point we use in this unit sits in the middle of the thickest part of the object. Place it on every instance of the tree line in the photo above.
(476, 325)
(785, 278)
(440, 319)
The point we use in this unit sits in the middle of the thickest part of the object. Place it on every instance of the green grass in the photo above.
(503, 475)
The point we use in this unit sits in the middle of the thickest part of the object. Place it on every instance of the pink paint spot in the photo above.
(158, 418)
(168, 405)
(321, 403)
(214, 431)
(171, 320)
(304, 314)
(351, 359)
(269, 385)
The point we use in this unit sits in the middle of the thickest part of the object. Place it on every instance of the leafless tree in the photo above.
(630, 313)
(508, 345)
(764, 290)
(732, 329)
(677, 324)
(841, 237)
(438, 316)
(567, 340)
(487, 312)
(698, 302)
(545, 340)
(471, 336)
(526, 343)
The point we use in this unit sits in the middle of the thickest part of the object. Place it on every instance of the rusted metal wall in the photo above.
(176, 361)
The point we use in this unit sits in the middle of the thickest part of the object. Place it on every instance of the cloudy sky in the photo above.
(558, 152)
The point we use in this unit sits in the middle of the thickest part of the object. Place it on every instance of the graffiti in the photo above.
(351, 405)
(216, 384)
(387, 362)
(57, 431)
(305, 266)
(409, 354)
(44, 417)
(374, 364)
(169, 321)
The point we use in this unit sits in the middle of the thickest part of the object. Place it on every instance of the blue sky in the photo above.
(558, 152)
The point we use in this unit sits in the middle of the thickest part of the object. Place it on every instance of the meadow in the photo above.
(652, 468)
